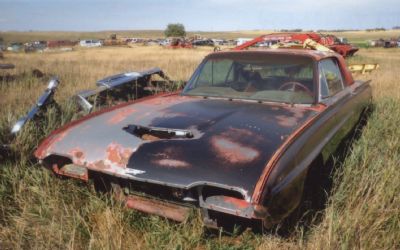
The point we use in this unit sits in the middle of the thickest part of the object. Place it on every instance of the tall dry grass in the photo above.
(39, 211)
(80, 69)
(15, 36)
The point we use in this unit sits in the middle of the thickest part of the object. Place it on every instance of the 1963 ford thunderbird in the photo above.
(238, 140)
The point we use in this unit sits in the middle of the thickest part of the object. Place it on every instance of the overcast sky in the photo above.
(200, 15)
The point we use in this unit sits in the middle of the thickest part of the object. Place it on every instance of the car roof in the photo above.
(314, 54)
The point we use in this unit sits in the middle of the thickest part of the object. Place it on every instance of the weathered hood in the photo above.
(232, 141)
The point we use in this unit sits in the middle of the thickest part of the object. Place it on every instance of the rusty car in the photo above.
(339, 45)
(238, 141)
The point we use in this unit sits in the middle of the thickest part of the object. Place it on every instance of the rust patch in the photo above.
(319, 107)
(298, 113)
(240, 134)
(166, 153)
(59, 171)
(169, 158)
(171, 163)
(170, 114)
(166, 99)
(78, 157)
(60, 133)
(275, 157)
(165, 209)
(142, 114)
(148, 137)
(233, 152)
(120, 115)
(118, 154)
(290, 120)
(287, 121)
(240, 204)
(99, 165)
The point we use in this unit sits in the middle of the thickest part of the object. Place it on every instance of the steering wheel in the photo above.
(292, 87)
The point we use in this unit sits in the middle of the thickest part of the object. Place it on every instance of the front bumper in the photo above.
(178, 211)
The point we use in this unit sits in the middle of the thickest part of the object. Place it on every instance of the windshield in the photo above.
(252, 76)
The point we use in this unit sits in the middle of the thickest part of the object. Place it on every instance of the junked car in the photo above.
(90, 43)
(238, 140)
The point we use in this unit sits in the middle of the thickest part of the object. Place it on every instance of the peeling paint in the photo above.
(299, 113)
(240, 132)
(148, 137)
(121, 115)
(168, 158)
(291, 119)
(233, 152)
(243, 134)
(171, 163)
(78, 157)
(240, 204)
(286, 121)
(165, 209)
(98, 165)
(118, 155)
(71, 171)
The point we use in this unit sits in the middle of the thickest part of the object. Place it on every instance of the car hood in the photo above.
(232, 141)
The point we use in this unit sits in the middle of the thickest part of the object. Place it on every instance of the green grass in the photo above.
(40, 211)
(364, 209)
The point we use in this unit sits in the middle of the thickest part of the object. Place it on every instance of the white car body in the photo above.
(90, 43)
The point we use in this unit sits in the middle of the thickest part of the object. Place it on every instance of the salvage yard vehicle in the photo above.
(239, 140)
(90, 43)
(123, 87)
(203, 42)
(36, 46)
(7, 66)
(339, 45)
(110, 90)
(6, 77)
(44, 101)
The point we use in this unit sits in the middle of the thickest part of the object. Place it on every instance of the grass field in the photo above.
(40, 211)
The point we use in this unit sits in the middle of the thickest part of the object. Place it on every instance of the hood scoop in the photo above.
(157, 133)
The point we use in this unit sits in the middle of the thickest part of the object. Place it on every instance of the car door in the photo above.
(343, 104)
(344, 101)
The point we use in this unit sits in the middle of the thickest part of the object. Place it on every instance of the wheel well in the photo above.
(313, 198)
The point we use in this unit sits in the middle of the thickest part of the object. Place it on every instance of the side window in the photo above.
(330, 78)
(205, 77)
(216, 72)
